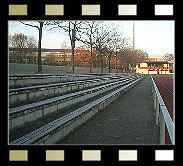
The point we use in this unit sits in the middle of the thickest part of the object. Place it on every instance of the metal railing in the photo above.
(162, 116)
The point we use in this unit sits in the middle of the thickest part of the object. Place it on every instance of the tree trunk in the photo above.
(73, 46)
(116, 63)
(101, 62)
(72, 60)
(121, 65)
(39, 48)
(91, 62)
(19, 57)
(109, 63)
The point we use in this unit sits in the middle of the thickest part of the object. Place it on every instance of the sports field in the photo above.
(165, 86)
(16, 68)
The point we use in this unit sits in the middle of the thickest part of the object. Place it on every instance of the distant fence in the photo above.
(162, 116)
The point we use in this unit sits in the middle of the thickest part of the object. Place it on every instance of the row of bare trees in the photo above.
(20, 41)
(102, 36)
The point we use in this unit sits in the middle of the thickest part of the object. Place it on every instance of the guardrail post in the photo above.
(155, 101)
(157, 112)
(153, 92)
(162, 129)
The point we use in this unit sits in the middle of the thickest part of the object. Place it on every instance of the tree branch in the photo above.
(30, 25)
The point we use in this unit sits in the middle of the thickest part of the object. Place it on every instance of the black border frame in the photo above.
(73, 153)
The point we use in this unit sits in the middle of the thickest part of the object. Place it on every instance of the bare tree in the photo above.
(113, 46)
(86, 36)
(72, 28)
(122, 51)
(18, 41)
(39, 27)
(130, 57)
(64, 46)
(101, 39)
(31, 44)
(86, 32)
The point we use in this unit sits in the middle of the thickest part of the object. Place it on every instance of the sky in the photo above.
(155, 37)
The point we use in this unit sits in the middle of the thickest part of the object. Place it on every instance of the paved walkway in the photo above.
(128, 120)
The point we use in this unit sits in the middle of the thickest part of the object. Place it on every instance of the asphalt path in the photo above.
(128, 120)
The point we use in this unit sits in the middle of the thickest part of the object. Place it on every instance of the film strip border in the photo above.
(63, 155)
(91, 10)
(90, 155)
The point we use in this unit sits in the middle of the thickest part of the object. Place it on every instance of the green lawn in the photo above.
(16, 68)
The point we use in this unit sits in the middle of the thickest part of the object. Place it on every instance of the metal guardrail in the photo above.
(162, 116)
(45, 131)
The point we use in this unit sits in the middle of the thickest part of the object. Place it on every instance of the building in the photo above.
(64, 56)
(155, 66)
(60, 58)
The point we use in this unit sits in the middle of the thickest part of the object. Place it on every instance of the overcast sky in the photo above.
(154, 37)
